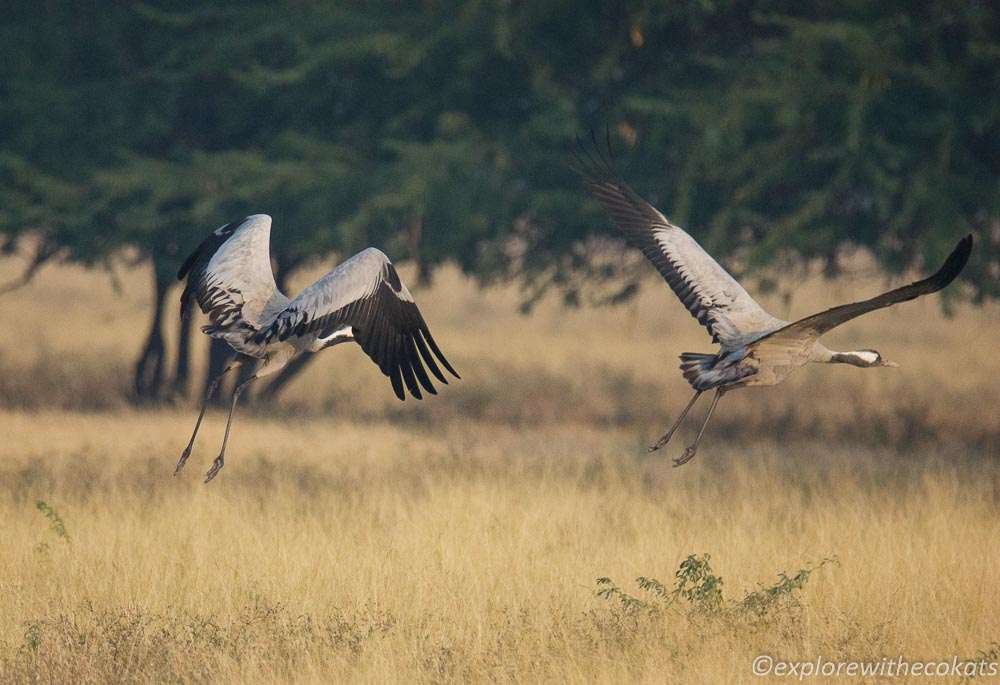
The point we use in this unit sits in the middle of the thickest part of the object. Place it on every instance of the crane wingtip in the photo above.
(963, 250)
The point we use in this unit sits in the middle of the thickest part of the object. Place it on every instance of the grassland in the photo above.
(352, 538)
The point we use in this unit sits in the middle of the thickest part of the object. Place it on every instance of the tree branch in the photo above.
(45, 251)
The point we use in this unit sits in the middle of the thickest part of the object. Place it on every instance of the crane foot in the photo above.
(216, 467)
(661, 442)
(686, 457)
(183, 459)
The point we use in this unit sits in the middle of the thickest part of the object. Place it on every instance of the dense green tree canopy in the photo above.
(441, 130)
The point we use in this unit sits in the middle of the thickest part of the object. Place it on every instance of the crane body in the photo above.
(755, 348)
(362, 300)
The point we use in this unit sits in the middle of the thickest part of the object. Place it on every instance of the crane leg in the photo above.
(201, 414)
(219, 460)
(666, 438)
(690, 451)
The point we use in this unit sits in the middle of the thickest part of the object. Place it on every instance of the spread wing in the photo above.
(364, 299)
(229, 276)
(812, 327)
(708, 291)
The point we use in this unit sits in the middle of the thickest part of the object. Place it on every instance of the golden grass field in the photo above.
(353, 538)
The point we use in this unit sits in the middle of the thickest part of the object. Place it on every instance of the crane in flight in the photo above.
(229, 276)
(755, 348)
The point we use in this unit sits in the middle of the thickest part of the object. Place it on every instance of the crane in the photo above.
(755, 348)
(229, 276)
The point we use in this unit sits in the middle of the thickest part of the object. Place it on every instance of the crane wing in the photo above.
(229, 275)
(363, 298)
(708, 291)
(812, 327)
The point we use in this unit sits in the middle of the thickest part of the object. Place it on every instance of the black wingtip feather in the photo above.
(415, 363)
(397, 382)
(418, 338)
(403, 361)
(186, 266)
(437, 352)
(591, 162)
(953, 265)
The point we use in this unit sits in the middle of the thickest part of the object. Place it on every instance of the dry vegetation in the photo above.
(355, 538)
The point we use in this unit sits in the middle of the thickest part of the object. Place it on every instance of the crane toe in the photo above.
(216, 467)
(686, 457)
(183, 459)
(664, 440)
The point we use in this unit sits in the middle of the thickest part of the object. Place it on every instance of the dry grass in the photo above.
(75, 335)
(460, 539)
(328, 551)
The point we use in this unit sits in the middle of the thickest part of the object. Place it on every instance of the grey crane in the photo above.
(755, 348)
(229, 276)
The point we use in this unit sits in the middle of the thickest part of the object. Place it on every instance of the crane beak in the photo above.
(886, 362)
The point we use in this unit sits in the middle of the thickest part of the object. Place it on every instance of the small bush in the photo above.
(698, 588)
(56, 524)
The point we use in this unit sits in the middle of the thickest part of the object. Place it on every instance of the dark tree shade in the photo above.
(443, 130)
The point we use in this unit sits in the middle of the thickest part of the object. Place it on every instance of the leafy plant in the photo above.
(696, 584)
(631, 605)
(55, 520)
(763, 600)
(982, 661)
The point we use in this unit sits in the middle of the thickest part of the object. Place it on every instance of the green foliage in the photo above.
(765, 599)
(32, 639)
(56, 524)
(696, 583)
(631, 605)
(698, 588)
(982, 661)
(441, 131)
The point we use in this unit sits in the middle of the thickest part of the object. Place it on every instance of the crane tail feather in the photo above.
(706, 371)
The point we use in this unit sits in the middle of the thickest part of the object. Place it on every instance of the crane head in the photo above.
(872, 358)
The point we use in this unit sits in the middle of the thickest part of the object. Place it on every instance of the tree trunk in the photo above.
(219, 354)
(182, 372)
(243, 374)
(148, 379)
(414, 238)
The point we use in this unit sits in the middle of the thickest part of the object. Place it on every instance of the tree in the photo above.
(441, 131)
